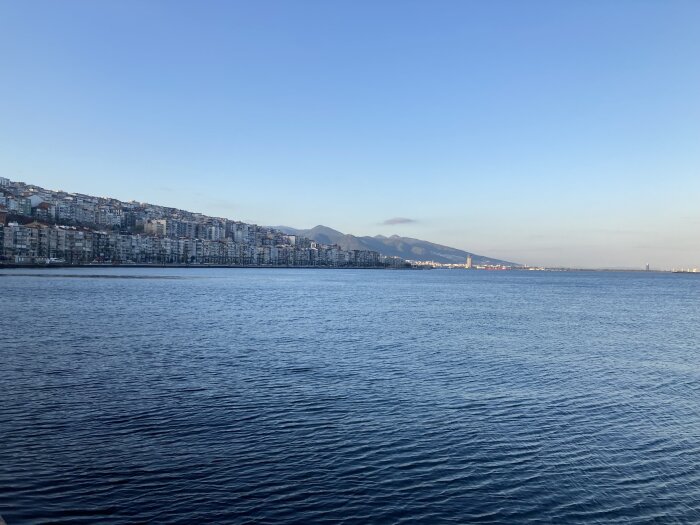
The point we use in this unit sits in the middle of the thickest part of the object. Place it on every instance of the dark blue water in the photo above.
(349, 397)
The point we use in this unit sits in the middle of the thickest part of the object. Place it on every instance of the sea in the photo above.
(271, 396)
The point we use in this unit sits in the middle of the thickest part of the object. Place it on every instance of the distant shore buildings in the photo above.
(463, 266)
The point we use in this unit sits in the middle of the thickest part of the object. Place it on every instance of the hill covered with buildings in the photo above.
(39, 225)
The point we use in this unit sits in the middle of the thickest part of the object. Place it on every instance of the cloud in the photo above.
(397, 220)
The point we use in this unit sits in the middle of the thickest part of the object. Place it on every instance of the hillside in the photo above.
(404, 247)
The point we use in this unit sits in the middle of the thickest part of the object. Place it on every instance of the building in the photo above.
(82, 229)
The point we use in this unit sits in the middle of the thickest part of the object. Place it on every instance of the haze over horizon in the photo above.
(557, 134)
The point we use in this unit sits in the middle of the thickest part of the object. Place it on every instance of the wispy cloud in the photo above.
(398, 220)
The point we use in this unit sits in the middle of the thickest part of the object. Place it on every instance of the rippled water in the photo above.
(303, 396)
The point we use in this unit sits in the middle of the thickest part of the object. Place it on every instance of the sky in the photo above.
(543, 132)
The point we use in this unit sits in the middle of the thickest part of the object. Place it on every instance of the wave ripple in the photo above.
(254, 396)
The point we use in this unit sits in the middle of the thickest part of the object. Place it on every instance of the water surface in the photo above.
(348, 397)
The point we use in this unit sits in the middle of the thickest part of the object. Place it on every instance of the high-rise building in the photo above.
(469, 262)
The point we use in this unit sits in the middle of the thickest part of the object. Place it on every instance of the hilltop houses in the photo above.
(39, 225)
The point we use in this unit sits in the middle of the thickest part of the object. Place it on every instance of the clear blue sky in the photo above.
(560, 132)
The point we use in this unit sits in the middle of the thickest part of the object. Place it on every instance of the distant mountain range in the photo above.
(404, 247)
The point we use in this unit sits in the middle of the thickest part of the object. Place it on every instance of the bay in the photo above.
(348, 396)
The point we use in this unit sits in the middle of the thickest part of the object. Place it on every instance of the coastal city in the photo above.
(46, 227)
(39, 226)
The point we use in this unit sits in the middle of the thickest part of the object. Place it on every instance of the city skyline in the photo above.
(557, 135)
(41, 226)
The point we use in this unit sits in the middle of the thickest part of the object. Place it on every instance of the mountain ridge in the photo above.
(394, 245)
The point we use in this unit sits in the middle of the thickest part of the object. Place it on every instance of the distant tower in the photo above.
(469, 261)
(647, 267)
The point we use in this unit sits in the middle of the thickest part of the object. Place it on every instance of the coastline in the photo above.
(257, 266)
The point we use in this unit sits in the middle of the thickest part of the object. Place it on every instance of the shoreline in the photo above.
(37, 266)
(257, 266)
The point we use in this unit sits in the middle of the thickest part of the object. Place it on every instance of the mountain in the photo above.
(404, 247)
